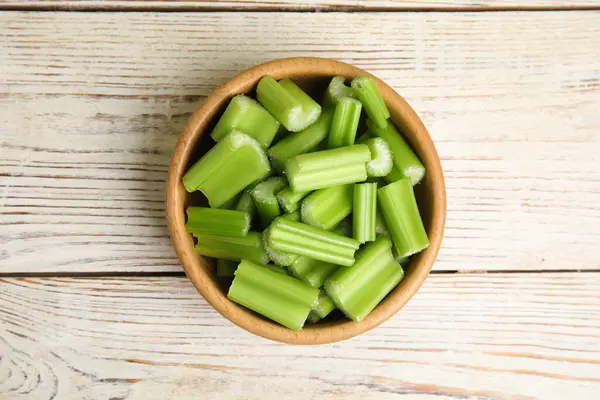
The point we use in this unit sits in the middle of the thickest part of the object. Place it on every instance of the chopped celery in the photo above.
(381, 157)
(344, 228)
(345, 122)
(337, 89)
(246, 204)
(405, 160)
(311, 271)
(246, 115)
(294, 216)
(325, 208)
(401, 214)
(216, 221)
(403, 261)
(233, 248)
(357, 290)
(300, 142)
(231, 203)
(227, 168)
(265, 199)
(322, 309)
(381, 228)
(288, 103)
(310, 241)
(328, 168)
(277, 268)
(364, 212)
(289, 200)
(394, 175)
(226, 268)
(366, 91)
(274, 295)
(278, 257)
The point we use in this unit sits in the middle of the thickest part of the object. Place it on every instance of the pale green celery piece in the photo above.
(231, 203)
(227, 168)
(277, 268)
(394, 175)
(381, 228)
(310, 241)
(265, 199)
(381, 158)
(287, 103)
(272, 294)
(246, 115)
(337, 89)
(345, 122)
(301, 142)
(289, 200)
(294, 216)
(357, 290)
(366, 91)
(217, 221)
(344, 228)
(326, 208)
(246, 204)
(323, 308)
(234, 248)
(405, 160)
(311, 271)
(280, 258)
(226, 268)
(364, 137)
(401, 214)
(403, 261)
(328, 168)
(364, 212)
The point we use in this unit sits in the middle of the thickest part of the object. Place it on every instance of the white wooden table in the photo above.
(93, 303)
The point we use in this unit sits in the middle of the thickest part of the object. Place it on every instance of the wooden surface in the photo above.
(91, 104)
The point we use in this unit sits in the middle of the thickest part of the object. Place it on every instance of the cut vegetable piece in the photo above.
(381, 228)
(246, 204)
(405, 160)
(289, 200)
(246, 115)
(310, 241)
(337, 89)
(403, 261)
(366, 91)
(265, 199)
(227, 168)
(326, 208)
(323, 308)
(394, 175)
(226, 268)
(345, 122)
(217, 221)
(381, 157)
(357, 290)
(280, 258)
(235, 248)
(311, 110)
(274, 295)
(301, 142)
(231, 203)
(364, 212)
(344, 228)
(311, 271)
(401, 214)
(328, 168)
(294, 216)
(277, 268)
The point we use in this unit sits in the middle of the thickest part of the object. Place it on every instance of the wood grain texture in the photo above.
(91, 105)
(495, 336)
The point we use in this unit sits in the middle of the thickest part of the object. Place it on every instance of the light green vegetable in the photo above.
(345, 122)
(265, 199)
(326, 208)
(289, 200)
(217, 221)
(234, 248)
(323, 308)
(364, 212)
(366, 91)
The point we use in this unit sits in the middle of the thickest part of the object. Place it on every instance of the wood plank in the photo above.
(494, 336)
(92, 104)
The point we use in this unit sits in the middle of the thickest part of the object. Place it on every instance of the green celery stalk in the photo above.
(231, 203)
(323, 308)
(345, 122)
(326, 208)
(381, 162)
(246, 115)
(226, 268)
(337, 89)
(274, 295)
(277, 268)
(311, 271)
(366, 91)
(217, 221)
(344, 228)
(381, 228)
(227, 168)
(289, 200)
(364, 212)
(288, 103)
(300, 142)
(246, 204)
(234, 248)
(327, 168)
(280, 258)
(403, 261)
(406, 162)
(294, 216)
(401, 214)
(357, 290)
(265, 198)
(310, 241)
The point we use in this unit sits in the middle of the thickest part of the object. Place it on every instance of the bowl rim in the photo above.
(196, 267)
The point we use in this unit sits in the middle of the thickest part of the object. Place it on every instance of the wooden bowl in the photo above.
(310, 73)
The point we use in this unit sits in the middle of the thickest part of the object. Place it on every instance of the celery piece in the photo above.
(401, 214)
(345, 122)
(300, 142)
(231, 203)
(311, 271)
(403, 261)
(274, 295)
(381, 157)
(381, 228)
(405, 160)
(246, 115)
(294, 216)
(323, 308)
(310, 241)
(394, 175)
(227, 168)
(328, 168)
(277, 268)
(366, 91)
(344, 228)
(246, 204)
(226, 268)
(364, 212)
(217, 221)
(234, 248)
(337, 89)
(265, 200)
(288, 103)
(289, 200)
(357, 290)
(325, 208)
(280, 258)
(364, 137)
